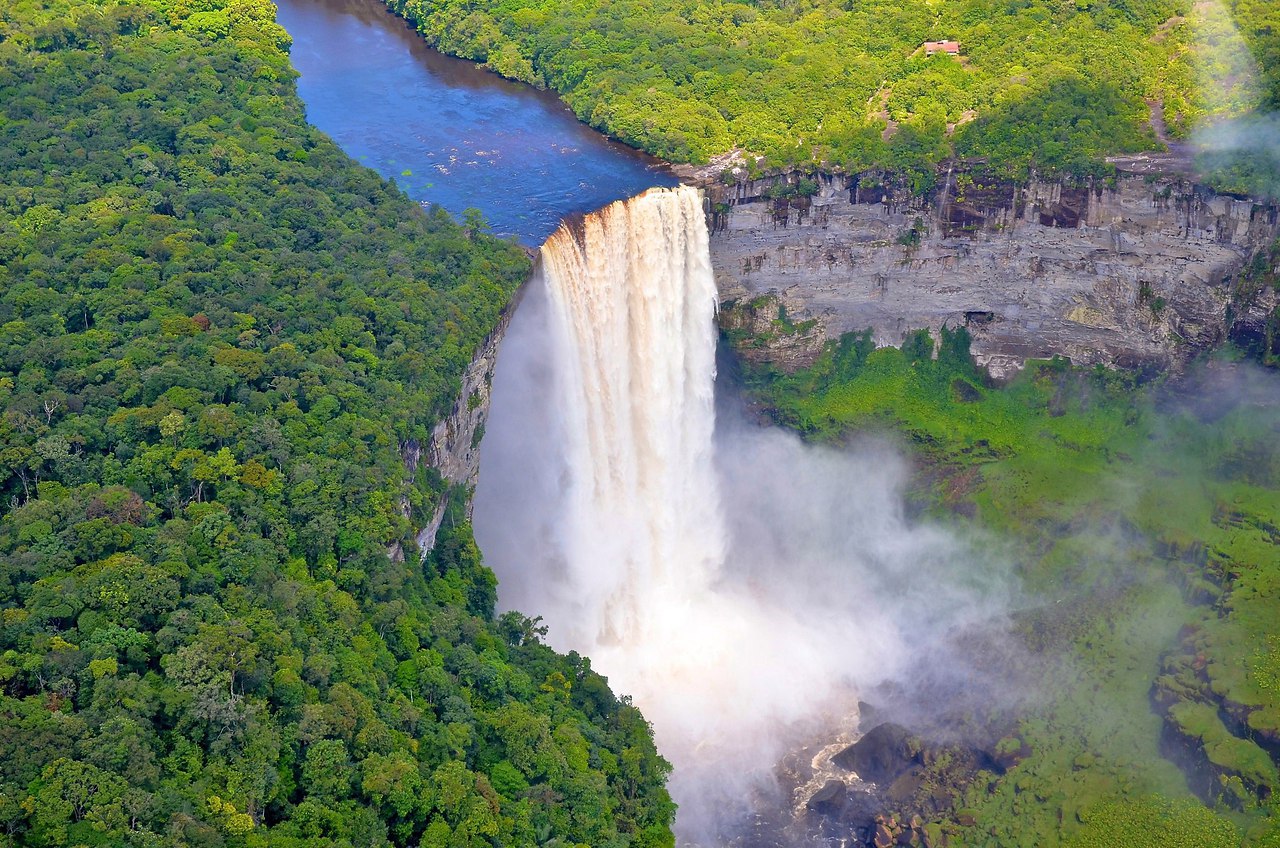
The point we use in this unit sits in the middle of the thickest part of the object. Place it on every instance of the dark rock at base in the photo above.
(855, 807)
(830, 799)
(883, 755)
(948, 726)
(905, 786)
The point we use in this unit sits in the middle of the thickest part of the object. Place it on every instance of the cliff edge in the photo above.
(1137, 271)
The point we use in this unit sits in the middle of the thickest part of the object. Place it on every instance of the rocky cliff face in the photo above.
(1136, 272)
(454, 446)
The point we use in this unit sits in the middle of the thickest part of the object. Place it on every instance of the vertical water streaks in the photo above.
(737, 583)
(632, 308)
(640, 532)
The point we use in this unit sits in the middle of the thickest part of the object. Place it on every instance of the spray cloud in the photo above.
(741, 586)
(1236, 143)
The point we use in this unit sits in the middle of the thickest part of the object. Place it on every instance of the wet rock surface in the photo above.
(454, 446)
(884, 754)
(920, 745)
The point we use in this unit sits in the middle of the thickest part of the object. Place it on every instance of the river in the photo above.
(449, 132)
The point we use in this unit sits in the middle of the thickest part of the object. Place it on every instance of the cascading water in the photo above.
(618, 536)
(736, 583)
(632, 307)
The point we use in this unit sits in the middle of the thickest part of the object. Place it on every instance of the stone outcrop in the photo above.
(881, 755)
(454, 446)
(905, 786)
(1133, 272)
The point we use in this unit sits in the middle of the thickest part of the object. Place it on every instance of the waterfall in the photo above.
(599, 503)
(632, 303)
(741, 586)
(627, 552)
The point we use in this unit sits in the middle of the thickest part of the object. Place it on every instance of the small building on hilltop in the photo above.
(931, 47)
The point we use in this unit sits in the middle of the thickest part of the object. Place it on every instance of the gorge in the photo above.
(908, 498)
(781, 564)
(1136, 272)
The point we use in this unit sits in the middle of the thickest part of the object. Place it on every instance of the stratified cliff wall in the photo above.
(1132, 272)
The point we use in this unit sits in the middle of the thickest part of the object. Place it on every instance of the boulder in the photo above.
(884, 754)
(830, 799)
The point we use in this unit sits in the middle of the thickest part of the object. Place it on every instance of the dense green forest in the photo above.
(218, 335)
(1037, 83)
(1141, 522)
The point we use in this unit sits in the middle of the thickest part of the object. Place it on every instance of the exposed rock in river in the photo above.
(1133, 272)
(886, 752)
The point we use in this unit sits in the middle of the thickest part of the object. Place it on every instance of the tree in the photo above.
(327, 771)
(70, 791)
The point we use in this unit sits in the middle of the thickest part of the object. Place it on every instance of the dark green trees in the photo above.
(216, 334)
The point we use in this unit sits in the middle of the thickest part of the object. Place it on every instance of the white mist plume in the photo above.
(1242, 154)
(1253, 135)
(741, 586)
(1231, 132)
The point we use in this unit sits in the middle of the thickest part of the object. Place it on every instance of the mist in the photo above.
(1242, 154)
(1257, 135)
(746, 589)
(1237, 145)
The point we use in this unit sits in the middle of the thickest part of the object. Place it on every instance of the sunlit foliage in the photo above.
(222, 344)
(847, 84)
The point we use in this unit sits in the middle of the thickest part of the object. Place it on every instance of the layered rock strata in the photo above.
(1132, 272)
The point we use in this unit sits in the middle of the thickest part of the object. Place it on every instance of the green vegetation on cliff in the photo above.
(1037, 84)
(1142, 522)
(221, 344)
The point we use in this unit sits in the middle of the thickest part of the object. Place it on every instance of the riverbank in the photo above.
(850, 86)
